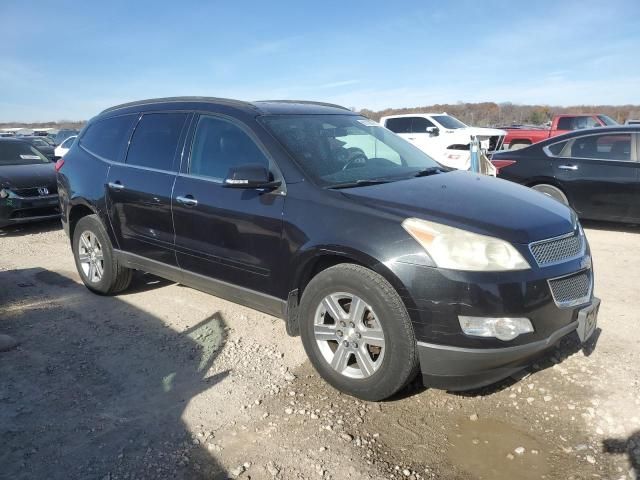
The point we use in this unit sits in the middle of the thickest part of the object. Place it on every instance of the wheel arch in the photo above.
(314, 261)
(77, 211)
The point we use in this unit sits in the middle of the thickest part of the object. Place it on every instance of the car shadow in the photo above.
(629, 446)
(31, 228)
(97, 387)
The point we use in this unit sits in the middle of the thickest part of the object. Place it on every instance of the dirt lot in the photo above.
(167, 382)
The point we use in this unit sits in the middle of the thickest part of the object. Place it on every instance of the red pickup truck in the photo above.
(522, 137)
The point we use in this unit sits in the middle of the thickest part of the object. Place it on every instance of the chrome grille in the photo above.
(33, 192)
(558, 250)
(571, 290)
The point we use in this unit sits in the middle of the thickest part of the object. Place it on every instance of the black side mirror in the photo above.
(253, 176)
(433, 131)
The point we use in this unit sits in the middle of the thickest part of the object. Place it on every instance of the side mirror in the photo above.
(433, 131)
(250, 176)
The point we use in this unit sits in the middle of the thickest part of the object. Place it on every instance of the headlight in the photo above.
(6, 193)
(458, 249)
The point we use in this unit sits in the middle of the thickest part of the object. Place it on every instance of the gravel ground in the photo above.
(167, 382)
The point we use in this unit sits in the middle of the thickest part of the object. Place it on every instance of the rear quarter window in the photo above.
(107, 138)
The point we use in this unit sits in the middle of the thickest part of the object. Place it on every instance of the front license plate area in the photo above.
(588, 320)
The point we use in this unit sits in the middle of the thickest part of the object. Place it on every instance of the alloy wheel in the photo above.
(349, 335)
(90, 256)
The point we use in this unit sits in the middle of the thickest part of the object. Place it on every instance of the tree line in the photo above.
(490, 114)
(483, 114)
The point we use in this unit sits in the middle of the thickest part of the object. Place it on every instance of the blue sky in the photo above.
(68, 60)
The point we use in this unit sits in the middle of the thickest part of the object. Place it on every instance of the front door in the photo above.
(139, 197)
(226, 234)
(599, 173)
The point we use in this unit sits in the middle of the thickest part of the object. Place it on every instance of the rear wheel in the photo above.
(357, 333)
(95, 259)
(553, 192)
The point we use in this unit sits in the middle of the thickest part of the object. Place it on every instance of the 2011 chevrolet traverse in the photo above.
(384, 262)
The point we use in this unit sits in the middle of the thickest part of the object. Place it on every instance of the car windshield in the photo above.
(607, 120)
(347, 150)
(449, 122)
(20, 153)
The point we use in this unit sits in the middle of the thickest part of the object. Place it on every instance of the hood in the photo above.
(27, 176)
(484, 132)
(474, 202)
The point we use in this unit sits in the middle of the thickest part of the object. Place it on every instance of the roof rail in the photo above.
(305, 102)
(226, 101)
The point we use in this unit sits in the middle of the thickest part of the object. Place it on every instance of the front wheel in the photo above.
(95, 259)
(357, 333)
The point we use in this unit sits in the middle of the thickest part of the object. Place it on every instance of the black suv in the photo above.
(385, 262)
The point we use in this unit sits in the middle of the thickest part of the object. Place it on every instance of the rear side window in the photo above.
(107, 138)
(219, 145)
(399, 125)
(155, 140)
(603, 147)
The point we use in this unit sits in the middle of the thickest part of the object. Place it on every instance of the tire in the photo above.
(90, 238)
(551, 191)
(389, 364)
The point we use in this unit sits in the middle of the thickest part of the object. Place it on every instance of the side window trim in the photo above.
(185, 171)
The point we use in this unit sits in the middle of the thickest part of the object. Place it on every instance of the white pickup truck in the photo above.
(443, 137)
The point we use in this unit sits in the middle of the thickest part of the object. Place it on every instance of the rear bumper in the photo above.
(457, 368)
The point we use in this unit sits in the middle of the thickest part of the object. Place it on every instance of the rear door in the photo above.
(231, 235)
(600, 174)
(139, 191)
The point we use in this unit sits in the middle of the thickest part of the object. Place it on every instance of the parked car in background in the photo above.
(28, 190)
(42, 145)
(443, 137)
(521, 137)
(64, 147)
(632, 122)
(596, 171)
(384, 262)
(63, 134)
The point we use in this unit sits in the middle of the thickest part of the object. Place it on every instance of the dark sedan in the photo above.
(28, 190)
(41, 144)
(595, 171)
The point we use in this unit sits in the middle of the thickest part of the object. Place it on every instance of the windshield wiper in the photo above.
(429, 171)
(359, 183)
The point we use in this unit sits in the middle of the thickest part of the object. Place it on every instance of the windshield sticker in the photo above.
(29, 157)
(368, 123)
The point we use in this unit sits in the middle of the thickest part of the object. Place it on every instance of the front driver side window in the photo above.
(219, 145)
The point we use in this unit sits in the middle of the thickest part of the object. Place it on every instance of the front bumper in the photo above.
(457, 368)
(449, 358)
(20, 210)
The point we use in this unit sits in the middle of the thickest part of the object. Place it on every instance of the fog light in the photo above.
(502, 328)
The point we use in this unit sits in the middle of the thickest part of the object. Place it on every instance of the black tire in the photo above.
(399, 364)
(115, 277)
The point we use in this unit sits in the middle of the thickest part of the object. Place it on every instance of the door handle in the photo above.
(411, 138)
(187, 201)
(568, 167)
(116, 185)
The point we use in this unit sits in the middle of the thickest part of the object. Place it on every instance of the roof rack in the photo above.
(304, 102)
(226, 101)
